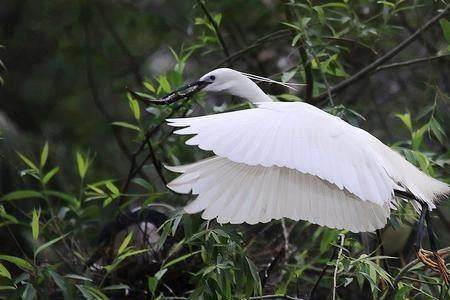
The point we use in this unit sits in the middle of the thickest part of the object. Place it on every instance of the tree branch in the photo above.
(155, 161)
(216, 29)
(270, 37)
(309, 88)
(273, 297)
(411, 62)
(322, 273)
(93, 87)
(374, 65)
(122, 46)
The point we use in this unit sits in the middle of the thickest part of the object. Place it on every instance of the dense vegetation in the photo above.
(84, 212)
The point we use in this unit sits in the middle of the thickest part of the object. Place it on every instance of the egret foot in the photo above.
(431, 259)
(435, 262)
(424, 257)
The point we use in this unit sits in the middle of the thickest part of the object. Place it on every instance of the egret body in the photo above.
(292, 160)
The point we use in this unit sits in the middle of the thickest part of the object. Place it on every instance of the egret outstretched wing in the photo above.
(302, 137)
(236, 193)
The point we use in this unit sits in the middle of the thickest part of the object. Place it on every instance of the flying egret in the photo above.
(293, 160)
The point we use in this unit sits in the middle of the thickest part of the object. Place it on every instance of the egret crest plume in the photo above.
(289, 85)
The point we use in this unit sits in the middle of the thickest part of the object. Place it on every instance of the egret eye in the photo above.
(212, 77)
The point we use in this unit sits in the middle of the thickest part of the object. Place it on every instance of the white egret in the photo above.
(296, 161)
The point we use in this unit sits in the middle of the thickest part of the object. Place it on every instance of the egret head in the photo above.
(233, 82)
(222, 80)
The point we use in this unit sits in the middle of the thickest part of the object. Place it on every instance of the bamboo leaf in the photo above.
(445, 26)
(44, 155)
(49, 244)
(50, 175)
(82, 164)
(22, 194)
(4, 272)
(28, 162)
(35, 224)
(19, 262)
(126, 125)
(406, 119)
(179, 259)
(125, 243)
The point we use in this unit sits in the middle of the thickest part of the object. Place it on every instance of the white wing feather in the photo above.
(236, 193)
(302, 137)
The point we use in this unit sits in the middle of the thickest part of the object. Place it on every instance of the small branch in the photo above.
(93, 87)
(382, 251)
(122, 45)
(342, 236)
(322, 273)
(273, 297)
(155, 161)
(308, 73)
(374, 65)
(219, 35)
(270, 37)
(411, 62)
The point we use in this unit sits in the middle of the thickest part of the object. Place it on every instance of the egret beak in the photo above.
(181, 93)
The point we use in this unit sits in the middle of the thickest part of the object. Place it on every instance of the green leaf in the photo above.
(60, 282)
(112, 188)
(179, 259)
(49, 244)
(417, 137)
(35, 224)
(406, 119)
(116, 287)
(334, 4)
(289, 97)
(126, 125)
(437, 130)
(152, 283)
(134, 106)
(28, 162)
(445, 26)
(72, 200)
(149, 86)
(125, 243)
(82, 164)
(3, 214)
(50, 174)
(18, 262)
(164, 84)
(254, 272)
(91, 293)
(78, 277)
(29, 293)
(44, 155)
(4, 272)
(22, 194)
(293, 26)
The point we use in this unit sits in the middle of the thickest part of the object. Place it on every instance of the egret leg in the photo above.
(441, 267)
(431, 259)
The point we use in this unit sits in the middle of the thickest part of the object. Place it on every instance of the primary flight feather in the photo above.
(292, 160)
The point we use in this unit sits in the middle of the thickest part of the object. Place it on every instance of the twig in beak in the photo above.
(184, 92)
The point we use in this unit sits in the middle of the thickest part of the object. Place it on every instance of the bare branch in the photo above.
(93, 86)
(216, 29)
(122, 45)
(374, 65)
(267, 38)
(411, 62)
